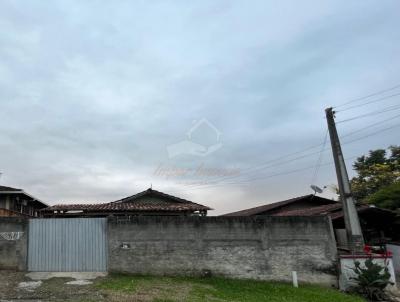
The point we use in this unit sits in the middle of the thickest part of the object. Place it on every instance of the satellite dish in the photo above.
(316, 189)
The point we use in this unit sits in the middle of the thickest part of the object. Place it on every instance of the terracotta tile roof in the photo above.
(272, 206)
(126, 207)
(333, 210)
(313, 211)
(137, 202)
(151, 192)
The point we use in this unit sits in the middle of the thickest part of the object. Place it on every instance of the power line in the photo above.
(263, 165)
(317, 166)
(372, 134)
(370, 126)
(366, 136)
(370, 102)
(292, 171)
(368, 96)
(387, 109)
(259, 167)
(266, 176)
(272, 164)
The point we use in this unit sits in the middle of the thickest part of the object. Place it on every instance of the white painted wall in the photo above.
(346, 272)
(395, 249)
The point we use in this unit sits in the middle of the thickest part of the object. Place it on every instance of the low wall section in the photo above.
(267, 248)
(13, 243)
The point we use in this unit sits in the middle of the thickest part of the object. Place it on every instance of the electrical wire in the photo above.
(370, 126)
(317, 166)
(368, 96)
(273, 163)
(372, 134)
(292, 171)
(266, 176)
(262, 166)
(370, 102)
(387, 109)
(362, 137)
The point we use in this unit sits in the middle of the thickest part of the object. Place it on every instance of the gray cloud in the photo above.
(92, 93)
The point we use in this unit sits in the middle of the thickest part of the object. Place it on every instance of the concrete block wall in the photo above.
(13, 253)
(267, 248)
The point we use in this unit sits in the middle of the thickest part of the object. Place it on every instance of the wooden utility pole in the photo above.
(352, 223)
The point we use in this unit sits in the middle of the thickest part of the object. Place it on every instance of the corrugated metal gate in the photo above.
(67, 245)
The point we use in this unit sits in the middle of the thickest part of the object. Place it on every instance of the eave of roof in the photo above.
(271, 206)
(9, 190)
(333, 210)
(123, 207)
(314, 211)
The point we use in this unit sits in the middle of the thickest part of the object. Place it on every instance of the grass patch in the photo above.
(167, 289)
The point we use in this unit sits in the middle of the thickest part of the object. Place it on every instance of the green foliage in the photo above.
(122, 282)
(157, 289)
(375, 171)
(372, 279)
(387, 197)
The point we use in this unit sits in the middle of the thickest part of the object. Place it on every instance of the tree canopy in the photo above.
(379, 170)
(387, 197)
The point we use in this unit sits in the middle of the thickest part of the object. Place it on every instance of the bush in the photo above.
(372, 280)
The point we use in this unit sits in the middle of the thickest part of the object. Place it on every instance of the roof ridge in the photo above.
(151, 190)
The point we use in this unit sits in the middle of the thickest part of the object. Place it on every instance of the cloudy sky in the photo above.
(201, 99)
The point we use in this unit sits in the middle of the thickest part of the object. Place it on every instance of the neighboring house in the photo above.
(149, 202)
(302, 202)
(379, 225)
(15, 202)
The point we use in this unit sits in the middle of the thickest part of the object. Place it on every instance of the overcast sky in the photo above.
(101, 99)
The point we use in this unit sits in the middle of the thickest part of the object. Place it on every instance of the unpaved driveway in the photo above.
(72, 287)
(16, 286)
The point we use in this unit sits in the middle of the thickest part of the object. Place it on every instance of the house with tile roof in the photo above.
(379, 225)
(297, 203)
(148, 202)
(18, 203)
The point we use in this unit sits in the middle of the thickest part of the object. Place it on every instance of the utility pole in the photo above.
(352, 223)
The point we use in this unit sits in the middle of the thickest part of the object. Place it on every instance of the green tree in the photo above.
(387, 197)
(375, 171)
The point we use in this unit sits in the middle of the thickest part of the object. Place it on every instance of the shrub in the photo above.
(372, 279)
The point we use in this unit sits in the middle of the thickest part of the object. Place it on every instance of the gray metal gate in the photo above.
(67, 245)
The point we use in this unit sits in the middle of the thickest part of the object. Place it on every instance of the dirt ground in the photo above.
(15, 286)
